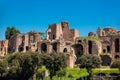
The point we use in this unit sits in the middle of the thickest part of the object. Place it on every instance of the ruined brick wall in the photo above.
(51, 32)
(91, 34)
(109, 30)
(14, 43)
(75, 33)
(61, 31)
(24, 42)
(3, 47)
(67, 35)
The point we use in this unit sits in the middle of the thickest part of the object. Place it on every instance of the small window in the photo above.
(108, 48)
(53, 36)
(79, 41)
(104, 50)
(65, 50)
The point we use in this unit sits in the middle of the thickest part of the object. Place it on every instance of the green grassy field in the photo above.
(77, 73)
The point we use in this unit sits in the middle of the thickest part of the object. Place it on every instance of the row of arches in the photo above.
(54, 46)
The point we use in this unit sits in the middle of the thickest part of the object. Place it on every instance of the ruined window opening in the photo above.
(21, 49)
(78, 51)
(108, 48)
(104, 50)
(106, 60)
(43, 47)
(54, 47)
(116, 45)
(65, 50)
(27, 48)
(90, 47)
(53, 36)
(1, 49)
(117, 56)
(34, 45)
(79, 41)
(60, 36)
(32, 39)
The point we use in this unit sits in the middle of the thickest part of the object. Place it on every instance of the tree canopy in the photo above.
(10, 31)
(54, 62)
(23, 66)
(89, 62)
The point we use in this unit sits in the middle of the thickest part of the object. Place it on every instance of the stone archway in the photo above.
(108, 49)
(90, 47)
(54, 45)
(65, 50)
(116, 45)
(117, 56)
(106, 60)
(43, 47)
(78, 51)
(21, 49)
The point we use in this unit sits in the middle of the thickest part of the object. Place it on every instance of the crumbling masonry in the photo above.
(61, 39)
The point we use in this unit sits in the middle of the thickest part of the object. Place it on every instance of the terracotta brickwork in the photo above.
(61, 31)
(3, 47)
(61, 39)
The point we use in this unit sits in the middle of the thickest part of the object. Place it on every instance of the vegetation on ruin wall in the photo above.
(105, 53)
(89, 38)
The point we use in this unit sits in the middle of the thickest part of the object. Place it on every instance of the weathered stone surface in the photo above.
(61, 39)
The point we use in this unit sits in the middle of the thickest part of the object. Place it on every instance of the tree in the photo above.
(116, 64)
(89, 62)
(23, 66)
(54, 62)
(10, 32)
(61, 73)
(3, 67)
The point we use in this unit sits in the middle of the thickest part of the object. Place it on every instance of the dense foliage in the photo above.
(54, 62)
(10, 32)
(116, 64)
(89, 62)
(23, 66)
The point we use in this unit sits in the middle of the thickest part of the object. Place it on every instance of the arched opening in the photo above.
(106, 60)
(54, 47)
(32, 39)
(90, 47)
(27, 48)
(117, 56)
(104, 50)
(116, 45)
(79, 41)
(108, 49)
(78, 51)
(65, 50)
(21, 49)
(53, 36)
(43, 47)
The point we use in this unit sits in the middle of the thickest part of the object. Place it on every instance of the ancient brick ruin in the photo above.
(61, 39)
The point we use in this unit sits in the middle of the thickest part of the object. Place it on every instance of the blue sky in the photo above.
(84, 15)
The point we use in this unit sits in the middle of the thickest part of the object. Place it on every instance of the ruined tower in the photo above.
(99, 32)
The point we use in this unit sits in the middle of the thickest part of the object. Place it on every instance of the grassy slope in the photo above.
(77, 73)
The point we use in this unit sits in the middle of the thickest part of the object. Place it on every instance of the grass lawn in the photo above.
(77, 73)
